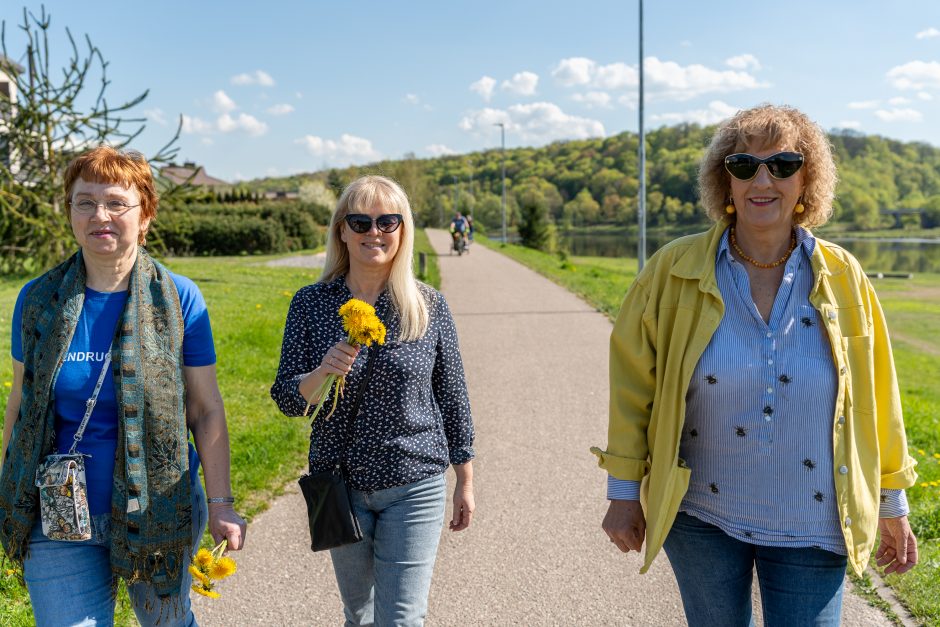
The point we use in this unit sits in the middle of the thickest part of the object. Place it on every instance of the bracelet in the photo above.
(221, 499)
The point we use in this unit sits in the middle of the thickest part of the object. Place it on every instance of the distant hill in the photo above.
(594, 181)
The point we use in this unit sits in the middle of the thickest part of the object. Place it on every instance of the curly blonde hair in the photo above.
(771, 125)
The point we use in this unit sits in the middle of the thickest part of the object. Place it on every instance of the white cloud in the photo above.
(852, 124)
(156, 115)
(743, 62)
(412, 99)
(348, 150)
(484, 87)
(221, 103)
(537, 122)
(574, 71)
(593, 99)
(928, 34)
(899, 115)
(522, 83)
(665, 80)
(280, 109)
(864, 104)
(924, 95)
(899, 100)
(916, 75)
(438, 150)
(258, 77)
(714, 113)
(196, 126)
(244, 122)
(669, 80)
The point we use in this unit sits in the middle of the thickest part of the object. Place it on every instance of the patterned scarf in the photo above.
(151, 503)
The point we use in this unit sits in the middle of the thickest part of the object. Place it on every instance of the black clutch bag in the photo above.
(330, 515)
(329, 512)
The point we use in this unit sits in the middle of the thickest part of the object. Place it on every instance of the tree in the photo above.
(535, 226)
(46, 120)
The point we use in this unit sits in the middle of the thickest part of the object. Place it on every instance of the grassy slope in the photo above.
(912, 308)
(248, 304)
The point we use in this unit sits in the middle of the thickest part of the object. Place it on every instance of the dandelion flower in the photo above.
(198, 575)
(206, 592)
(203, 559)
(925, 485)
(936, 455)
(363, 328)
(920, 451)
(222, 568)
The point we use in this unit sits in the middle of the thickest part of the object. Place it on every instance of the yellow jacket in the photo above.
(667, 319)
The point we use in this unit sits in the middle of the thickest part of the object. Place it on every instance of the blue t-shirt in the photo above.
(76, 379)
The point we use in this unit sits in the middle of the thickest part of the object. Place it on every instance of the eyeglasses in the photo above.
(782, 165)
(362, 223)
(87, 207)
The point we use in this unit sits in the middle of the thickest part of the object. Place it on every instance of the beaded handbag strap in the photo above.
(90, 403)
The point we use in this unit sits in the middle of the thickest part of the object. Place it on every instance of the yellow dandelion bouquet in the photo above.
(363, 328)
(208, 567)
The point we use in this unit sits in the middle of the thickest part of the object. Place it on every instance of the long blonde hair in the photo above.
(360, 196)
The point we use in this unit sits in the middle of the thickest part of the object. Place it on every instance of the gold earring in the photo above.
(799, 208)
(730, 208)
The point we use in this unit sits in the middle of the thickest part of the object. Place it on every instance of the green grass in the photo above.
(248, 304)
(912, 308)
(601, 281)
(432, 275)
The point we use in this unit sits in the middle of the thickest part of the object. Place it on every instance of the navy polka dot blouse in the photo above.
(414, 419)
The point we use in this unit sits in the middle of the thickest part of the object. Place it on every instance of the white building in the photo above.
(9, 69)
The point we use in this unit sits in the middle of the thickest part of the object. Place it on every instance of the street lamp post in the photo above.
(502, 135)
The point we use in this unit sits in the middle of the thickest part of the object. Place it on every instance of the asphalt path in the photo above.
(536, 364)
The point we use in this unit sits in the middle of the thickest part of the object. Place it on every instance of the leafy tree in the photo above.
(582, 210)
(53, 118)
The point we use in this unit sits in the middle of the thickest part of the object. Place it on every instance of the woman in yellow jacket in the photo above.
(755, 419)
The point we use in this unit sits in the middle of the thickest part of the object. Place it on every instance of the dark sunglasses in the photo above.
(361, 223)
(782, 165)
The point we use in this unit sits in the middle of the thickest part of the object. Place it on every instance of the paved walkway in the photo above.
(536, 362)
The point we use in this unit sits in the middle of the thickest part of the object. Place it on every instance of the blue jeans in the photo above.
(385, 578)
(798, 586)
(70, 583)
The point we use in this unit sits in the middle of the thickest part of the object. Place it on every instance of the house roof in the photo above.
(7, 64)
(180, 173)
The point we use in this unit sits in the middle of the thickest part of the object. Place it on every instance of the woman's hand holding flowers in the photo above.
(339, 359)
(226, 524)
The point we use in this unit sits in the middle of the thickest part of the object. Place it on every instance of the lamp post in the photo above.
(502, 135)
(641, 198)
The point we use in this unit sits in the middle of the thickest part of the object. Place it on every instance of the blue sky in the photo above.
(274, 88)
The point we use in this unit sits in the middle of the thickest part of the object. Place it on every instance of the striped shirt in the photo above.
(758, 427)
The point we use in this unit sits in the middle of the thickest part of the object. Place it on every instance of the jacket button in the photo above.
(843, 470)
(842, 370)
(848, 521)
(831, 315)
(841, 420)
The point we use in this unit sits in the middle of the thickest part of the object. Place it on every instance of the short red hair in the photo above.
(129, 168)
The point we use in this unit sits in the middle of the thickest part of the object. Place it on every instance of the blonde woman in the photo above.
(414, 419)
(754, 407)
